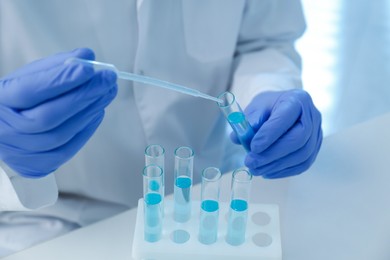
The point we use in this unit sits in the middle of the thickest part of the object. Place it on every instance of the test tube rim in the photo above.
(242, 170)
(191, 155)
(222, 105)
(216, 178)
(144, 172)
(154, 145)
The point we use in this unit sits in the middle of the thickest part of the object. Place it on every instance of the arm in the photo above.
(265, 55)
(287, 125)
(48, 111)
(19, 193)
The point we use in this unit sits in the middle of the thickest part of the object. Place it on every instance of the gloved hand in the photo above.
(288, 133)
(49, 110)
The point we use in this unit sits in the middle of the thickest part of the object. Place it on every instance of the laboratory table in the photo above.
(339, 209)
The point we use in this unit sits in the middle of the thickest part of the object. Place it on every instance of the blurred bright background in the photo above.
(346, 59)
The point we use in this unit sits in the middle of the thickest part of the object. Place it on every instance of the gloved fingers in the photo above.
(30, 89)
(294, 163)
(284, 115)
(292, 141)
(49, 62)
(255, 119)
(51, 114)
(58, 136)
(260, 108)
(54, 112)
(36, 165)
(292, 171)
(295, 170)
(257, 112)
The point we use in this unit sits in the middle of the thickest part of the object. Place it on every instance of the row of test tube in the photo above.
(209, 207)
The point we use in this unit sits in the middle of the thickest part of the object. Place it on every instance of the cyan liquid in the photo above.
(182, 199)
(153, 217)
(208, 228)
(242, 128)
(238, 215)
(154, 185)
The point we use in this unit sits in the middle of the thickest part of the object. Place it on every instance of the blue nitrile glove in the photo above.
(288, 133)
(48, 111)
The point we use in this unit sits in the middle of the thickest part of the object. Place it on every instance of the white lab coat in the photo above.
(212, 46)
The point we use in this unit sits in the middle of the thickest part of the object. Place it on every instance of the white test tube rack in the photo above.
(180, 240)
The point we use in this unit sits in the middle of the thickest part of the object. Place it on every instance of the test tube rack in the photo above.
(180, 240)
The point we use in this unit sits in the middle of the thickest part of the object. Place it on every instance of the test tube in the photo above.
(152, 178)
(209, 208)
(155, 155)
(238, 212)
(184, 163)
(236, 118)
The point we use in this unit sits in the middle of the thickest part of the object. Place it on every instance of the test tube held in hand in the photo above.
(153, 195)
(209, 208)
(238, 211)
(184, 163)
(236, 118)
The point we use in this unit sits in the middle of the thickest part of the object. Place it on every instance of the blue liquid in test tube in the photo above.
(153, 198)
(238, 212)
(245, 134)
(184, 163)
(208, 229)
(209, 207)
(238, 215)
(154, 186)
(182, 197)
(155, 155)
(236, 118)
(153, 217)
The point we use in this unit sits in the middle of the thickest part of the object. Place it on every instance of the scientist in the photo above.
(72, 139)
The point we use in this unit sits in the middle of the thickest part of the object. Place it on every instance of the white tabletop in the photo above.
(339, 209)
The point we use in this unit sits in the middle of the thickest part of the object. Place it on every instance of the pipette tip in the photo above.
(220, 101)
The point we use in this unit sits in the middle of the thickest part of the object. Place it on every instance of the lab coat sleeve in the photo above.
(266, 58)
(18, 193)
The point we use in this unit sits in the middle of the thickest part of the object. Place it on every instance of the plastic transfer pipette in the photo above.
(144, 79)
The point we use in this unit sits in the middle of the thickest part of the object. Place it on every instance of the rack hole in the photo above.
(261, 218)
(262, 239)
(180, 236)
